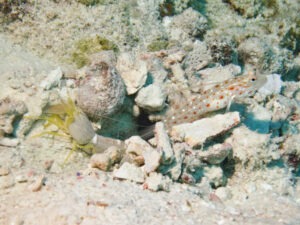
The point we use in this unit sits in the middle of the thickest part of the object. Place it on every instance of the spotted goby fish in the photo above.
(216, 98)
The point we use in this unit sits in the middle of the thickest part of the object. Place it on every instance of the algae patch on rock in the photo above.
(91, 2)
(85, 47)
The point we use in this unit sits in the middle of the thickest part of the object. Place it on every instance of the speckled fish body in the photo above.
(216, 98)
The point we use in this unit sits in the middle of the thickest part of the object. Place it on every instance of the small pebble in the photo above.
(101, 161)
(37, 184)
(21, 178)
(48, 164)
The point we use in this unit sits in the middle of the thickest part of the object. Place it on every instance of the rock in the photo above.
(157, 182)
(105, 161)
(196, 133)
(130, 172)
(135, 148)
(215, 176)
(133, 71)
(52, 79)
(151, 98)
(163, 143)
(102, 91)
(152, 160)
(216, 153)
(176, 169)
(101, 161)
(115, 154)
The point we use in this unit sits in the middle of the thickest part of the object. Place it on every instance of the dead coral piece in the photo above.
(163, 143)
(196, 133)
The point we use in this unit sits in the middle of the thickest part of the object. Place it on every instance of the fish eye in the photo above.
(253, 79)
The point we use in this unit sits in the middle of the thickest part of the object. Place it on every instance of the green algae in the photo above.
(85, 47)
(157, 45)
(92, 2)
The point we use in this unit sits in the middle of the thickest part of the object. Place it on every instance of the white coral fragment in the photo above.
(196, 133)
